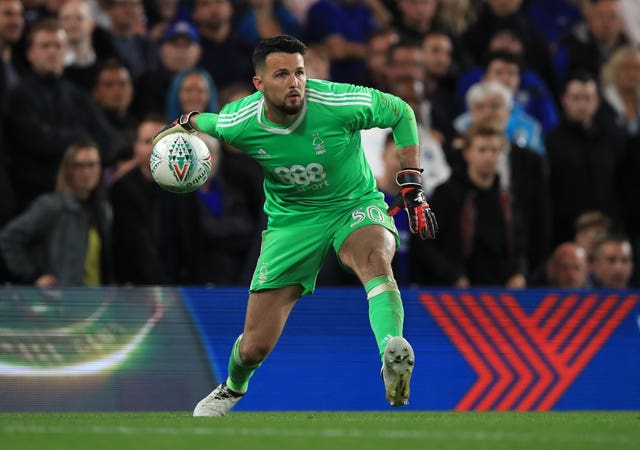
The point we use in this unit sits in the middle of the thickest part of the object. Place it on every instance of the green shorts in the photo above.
(295, 254)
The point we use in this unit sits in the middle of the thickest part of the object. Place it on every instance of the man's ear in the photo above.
(257, 83)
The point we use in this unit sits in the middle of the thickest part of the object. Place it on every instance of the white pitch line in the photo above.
(499, 436)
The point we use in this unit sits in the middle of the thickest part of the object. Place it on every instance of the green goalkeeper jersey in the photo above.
(317, 162)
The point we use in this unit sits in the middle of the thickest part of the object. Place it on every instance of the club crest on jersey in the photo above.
(181, 158)
(318, 144)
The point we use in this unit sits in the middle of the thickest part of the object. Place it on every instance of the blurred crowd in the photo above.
(528, 115)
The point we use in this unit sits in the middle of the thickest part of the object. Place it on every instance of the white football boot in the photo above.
(397, 369)
(218, 403)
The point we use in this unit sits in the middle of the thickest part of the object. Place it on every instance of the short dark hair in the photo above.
(276, 44)
(581, 76)
(616, 237)
(487, 128)
(48, 24)
(501, 55)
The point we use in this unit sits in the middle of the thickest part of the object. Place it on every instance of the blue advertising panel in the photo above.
(476, 349)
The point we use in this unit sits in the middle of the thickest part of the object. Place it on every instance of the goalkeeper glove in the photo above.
(181, 125)
(411, 198)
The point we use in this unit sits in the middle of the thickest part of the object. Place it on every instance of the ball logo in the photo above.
(181, 158)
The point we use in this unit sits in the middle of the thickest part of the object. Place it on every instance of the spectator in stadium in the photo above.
(530, 94)
(612, 263)
(63, 238)
(82, 58)
(499, 14)
(440, 77)
(480, 242)
(298, 239)
(11, 28)
(494, 100)
(592, 41)
(585, 153)
(48, 113)
(224, 55)
(180, 50)
(440, 67)
(129, 37)
(456, 15)
(344, 26)
(554, 19)
(416, 18)
(113, 92)
(378, 46)
(620, 82)
(191, 90)
(568, 267)
(522, 171)
(589, 227)
(432, 156)
(138, 222)
(161, 14)
(265, 19)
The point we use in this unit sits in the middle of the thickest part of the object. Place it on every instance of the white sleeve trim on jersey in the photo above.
(344, 99)
(226, 120)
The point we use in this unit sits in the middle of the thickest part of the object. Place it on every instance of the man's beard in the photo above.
(290, 109)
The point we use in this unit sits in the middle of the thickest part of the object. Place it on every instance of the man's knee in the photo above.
(252, 354)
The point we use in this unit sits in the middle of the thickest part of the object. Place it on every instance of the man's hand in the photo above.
(181, 125)
(411, 198)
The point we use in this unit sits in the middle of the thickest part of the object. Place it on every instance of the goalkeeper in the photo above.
(320, 193)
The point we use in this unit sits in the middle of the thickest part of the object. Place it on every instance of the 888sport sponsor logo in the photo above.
(311, 177)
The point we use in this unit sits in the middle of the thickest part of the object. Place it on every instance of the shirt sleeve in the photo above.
(389, 111)
(207, 123)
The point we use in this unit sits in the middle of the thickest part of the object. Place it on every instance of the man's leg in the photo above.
(368, 251)
(267, 313)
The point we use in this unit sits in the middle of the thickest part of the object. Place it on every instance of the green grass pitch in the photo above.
(322, 430)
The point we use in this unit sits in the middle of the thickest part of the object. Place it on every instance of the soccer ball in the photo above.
(180, 162)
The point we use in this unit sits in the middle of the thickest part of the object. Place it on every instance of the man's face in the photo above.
(406, 62)
(113, 90)
(75, 18)
(483, 154)
(612, 264)
(377, 51)
(604, 20)
(11, 21)
(504, 72)
(490, 108)
(126, 15)
(580, 101)
(46, 52)
(180, 53)
(212, 13)
(418, 13)
(569, 268)
(437, 54)
(282, 80)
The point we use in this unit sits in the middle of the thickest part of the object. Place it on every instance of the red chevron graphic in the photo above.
(180, 173)
(525, 361)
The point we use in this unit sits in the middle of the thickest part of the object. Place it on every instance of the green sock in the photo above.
(239, 374)
(386, 313)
